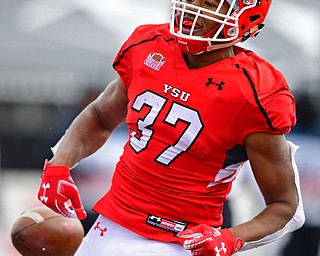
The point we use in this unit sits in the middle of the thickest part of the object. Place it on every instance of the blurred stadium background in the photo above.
(56, 56)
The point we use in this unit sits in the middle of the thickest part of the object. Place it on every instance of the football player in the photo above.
(197, 108)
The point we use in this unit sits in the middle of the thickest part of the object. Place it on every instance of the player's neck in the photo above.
(207, 58)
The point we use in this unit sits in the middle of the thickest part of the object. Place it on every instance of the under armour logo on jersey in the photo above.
(155, 61)
(211, 82)
(222, 249)
(44, 198)
(155, 218)
(102, 230)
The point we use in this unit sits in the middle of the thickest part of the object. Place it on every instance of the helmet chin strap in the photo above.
(224, 45)
(195, 47)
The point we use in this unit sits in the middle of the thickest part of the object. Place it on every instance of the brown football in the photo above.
(41, 231)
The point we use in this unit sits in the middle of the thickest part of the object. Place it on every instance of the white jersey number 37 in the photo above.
(177, 113)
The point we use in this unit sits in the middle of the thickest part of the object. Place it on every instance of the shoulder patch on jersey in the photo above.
(154, 61)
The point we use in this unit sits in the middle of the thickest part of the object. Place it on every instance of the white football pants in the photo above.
(107, 238)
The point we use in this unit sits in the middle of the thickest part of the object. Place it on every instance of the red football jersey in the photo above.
(186, 132)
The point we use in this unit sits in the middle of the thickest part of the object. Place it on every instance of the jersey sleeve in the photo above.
(132, 55)
(271, 112)
(282, 112)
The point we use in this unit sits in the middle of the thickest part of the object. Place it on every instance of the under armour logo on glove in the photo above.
(43, 198)
(204, 240)
(58, 192)
(222, 249)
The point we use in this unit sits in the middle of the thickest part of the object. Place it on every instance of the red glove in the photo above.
(204, 240)
(58, 192)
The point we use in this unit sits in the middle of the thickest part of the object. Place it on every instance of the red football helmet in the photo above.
(243, 19)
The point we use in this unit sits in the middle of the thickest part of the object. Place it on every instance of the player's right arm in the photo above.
(93, 126)
(86, 134)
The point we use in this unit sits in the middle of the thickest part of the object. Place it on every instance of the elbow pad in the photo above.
(296, 221)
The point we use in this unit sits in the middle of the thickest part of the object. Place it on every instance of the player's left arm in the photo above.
(274, 169)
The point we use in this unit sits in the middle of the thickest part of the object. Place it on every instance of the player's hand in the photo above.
(59, 192)
(204, 240)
